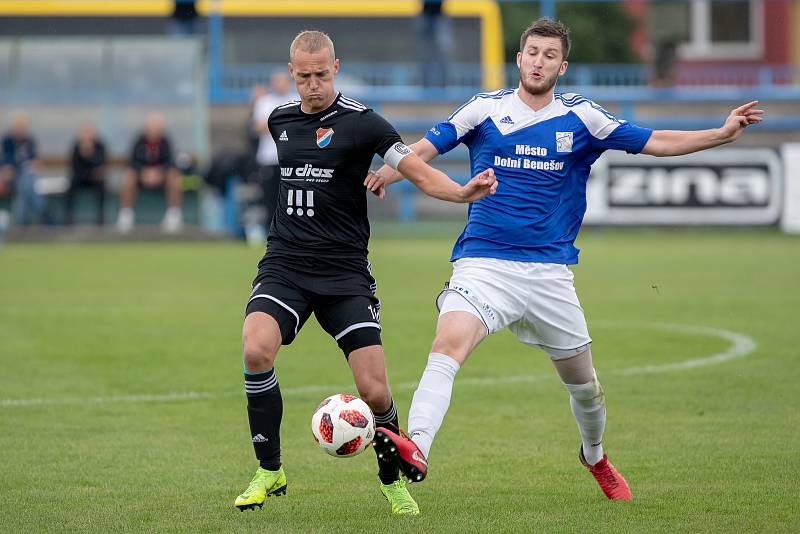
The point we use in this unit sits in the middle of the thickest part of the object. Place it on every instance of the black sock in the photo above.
(264, 410)
(387, 471)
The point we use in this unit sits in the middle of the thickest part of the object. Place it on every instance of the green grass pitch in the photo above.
(122, 405)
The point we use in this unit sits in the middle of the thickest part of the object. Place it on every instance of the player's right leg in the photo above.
(458, 332)
(482, 297)
(261, 339)
(275, 313)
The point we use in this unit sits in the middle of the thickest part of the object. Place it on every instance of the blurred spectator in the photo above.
(666, 29)
(435, 40)
(19, 172)
(251, 131)
(666, 52)
(87, 171)
(152, 166)
(267, 173)
(184, 18)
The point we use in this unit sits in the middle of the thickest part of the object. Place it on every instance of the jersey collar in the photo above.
(529, 110)
(329, 108)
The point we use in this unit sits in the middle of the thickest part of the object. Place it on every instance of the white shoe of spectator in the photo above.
(172, 223)
(5, 223)
(125, 221)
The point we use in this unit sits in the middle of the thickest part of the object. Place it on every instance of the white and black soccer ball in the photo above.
(343, 425)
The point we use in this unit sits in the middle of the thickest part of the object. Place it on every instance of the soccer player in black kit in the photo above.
(317, 254)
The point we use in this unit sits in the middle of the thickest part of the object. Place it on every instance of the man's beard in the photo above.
(540, 89)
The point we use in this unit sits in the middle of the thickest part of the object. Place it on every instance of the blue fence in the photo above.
(402, 82)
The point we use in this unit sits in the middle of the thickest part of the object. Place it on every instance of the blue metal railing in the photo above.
(402, 81)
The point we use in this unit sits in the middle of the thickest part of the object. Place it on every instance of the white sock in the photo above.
(431, 400)
(588, 407)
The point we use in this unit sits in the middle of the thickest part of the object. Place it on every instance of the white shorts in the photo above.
(536, 301)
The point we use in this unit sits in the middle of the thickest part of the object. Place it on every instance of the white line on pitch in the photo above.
(741, 346)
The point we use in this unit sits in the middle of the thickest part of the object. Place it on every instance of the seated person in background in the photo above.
(152, 166)
(18, 172)
(87, 171)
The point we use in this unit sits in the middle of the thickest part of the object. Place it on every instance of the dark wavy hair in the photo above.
(545, 27)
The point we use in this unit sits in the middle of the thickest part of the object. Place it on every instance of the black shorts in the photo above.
(163, 170)
(339, 292)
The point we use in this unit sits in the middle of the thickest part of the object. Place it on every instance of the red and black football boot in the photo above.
(611, 481)
(398, 448)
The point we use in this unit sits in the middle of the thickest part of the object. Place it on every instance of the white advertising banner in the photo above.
(723, 186)
(790, 222)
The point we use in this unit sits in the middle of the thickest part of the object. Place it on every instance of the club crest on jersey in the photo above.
(563, 141)
(324, 136)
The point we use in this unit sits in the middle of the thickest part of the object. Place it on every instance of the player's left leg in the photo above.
(556, 323)
(353, 323)
(587, 402)
(369, 374)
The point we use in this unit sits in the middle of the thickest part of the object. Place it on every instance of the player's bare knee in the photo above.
(258, 356)
(589, 395)
(573, 366)
(451, 346)
(259, 348)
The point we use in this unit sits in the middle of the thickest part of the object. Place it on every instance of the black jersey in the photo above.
(324, 158)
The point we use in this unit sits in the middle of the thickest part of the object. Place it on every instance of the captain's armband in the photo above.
(395, 154)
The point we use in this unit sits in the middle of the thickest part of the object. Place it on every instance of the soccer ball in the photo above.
(343, 425)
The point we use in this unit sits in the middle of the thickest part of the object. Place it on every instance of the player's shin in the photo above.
(431, 400)
(264, 411)
(588, 406)
(388, 471)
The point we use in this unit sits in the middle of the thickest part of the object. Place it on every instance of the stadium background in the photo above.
(121, 381)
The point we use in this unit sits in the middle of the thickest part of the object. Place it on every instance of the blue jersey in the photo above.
(542, 161)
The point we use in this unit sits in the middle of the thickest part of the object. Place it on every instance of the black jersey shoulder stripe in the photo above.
(346, 106)
(289, 104)
(352, 102)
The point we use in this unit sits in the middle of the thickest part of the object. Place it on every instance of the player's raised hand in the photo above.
(376, 183)
(482, 185)
(740, 118)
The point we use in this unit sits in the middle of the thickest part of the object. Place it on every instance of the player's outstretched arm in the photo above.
(378, 181)
(678, 142)
(437, 184)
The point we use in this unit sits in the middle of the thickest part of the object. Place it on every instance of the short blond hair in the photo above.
(311, 41)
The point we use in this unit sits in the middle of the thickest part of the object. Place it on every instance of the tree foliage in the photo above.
(600, 31)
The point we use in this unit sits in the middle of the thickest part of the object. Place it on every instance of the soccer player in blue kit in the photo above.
(510, 264)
